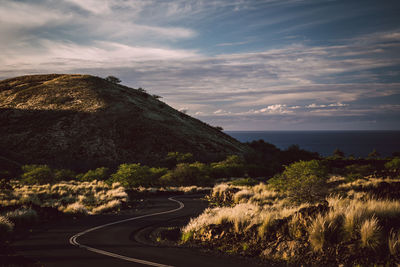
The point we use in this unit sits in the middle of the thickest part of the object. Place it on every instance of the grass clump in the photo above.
(371, 233)
(68, 197)
(394, 242)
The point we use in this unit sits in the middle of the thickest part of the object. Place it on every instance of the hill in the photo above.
(82, 121)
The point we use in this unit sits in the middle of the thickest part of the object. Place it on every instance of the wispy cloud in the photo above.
(159, 45)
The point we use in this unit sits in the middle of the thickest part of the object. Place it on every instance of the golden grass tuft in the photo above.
(394, 242)
(371, 233)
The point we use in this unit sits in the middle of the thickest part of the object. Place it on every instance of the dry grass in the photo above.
(325, 230)
(353, 215)
(394, 242)
(251, 210)
(371, 233)
(70, 197)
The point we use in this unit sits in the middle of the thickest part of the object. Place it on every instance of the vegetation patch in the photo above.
(337, 222)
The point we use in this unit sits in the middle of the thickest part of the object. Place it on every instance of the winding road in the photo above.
(120, 240)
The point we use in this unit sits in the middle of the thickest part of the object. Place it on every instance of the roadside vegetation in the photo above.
(307, 215)
(289, 206)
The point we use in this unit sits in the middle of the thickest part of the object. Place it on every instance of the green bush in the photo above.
(174, 158)
(187, 174)
(37, 174)
(338, 154)
(303, 181)
(356, 171)
(393, 165)
(232, 166)
(100, 174)
(134, 175)
(64, 175)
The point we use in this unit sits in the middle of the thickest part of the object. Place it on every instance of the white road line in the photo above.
(74, 242)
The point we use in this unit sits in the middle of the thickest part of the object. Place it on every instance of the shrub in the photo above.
(37, 174)
(98, 174)
(356, 171)
(393, 165)
(232, 166)
(303, 181)
(135, 175)
(187, 174)
(64, 175)
(113, 79)
(338, 154)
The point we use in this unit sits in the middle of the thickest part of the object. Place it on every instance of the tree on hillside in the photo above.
(113, 79)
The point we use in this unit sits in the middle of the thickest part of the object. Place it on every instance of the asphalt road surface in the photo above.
(120, 240)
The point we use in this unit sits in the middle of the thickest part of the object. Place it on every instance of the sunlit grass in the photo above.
(352, 215)
(69, 197)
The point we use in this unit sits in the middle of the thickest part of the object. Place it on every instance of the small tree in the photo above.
(303, 181)
(64, 174)
(393, 165)
(338, 154)
(374, 154)
(113, 79)
(37, 174)
(187, 174)
(98, 174)
(134, 175)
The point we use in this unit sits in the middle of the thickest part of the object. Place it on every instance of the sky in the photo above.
(239, 64)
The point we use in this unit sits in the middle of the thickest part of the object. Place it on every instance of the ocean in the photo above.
(357, 143)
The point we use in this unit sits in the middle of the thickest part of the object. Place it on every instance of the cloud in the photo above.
(313, 105)
(145, 43)
(233, 43)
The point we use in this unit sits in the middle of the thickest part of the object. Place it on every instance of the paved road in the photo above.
(52, 246)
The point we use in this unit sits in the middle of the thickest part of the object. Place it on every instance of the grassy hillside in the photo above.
(81, 121)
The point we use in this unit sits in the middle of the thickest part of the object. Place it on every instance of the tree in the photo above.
(98, 174)
(37, 174)
(374, 154)
(338, 154)
(393, 165)
(187, 174)
(134, 175)
(113, 79)
(302, 181)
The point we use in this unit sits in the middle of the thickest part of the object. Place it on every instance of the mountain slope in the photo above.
(82, 121)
